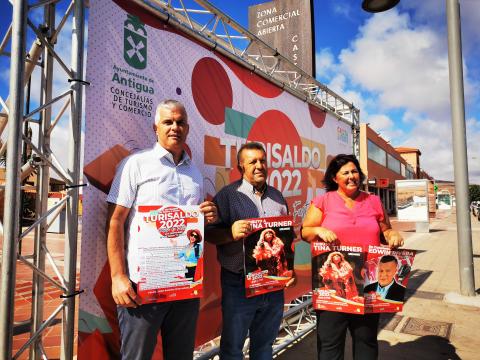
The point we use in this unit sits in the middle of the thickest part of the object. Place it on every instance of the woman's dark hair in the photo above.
(335, 165)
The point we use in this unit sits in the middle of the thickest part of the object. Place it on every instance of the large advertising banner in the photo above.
(134, 61)
(412, 200)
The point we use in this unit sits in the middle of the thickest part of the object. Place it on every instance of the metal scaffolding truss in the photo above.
(221, 33)
(15, 113)
(298, 321)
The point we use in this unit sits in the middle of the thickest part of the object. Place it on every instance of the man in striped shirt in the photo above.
(259, 316)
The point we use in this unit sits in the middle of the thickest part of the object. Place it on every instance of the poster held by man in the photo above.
(170, 249)
(268, 254)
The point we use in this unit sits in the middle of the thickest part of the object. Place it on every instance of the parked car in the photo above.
(475, 208)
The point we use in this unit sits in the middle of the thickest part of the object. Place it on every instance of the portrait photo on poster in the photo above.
(386, 277)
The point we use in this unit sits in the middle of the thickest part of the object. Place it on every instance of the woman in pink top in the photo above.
(348, 216)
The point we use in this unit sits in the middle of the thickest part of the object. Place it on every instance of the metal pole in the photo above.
(12, 186)
(459, 143)
(43, 182)
(24, 160)
(70, 270)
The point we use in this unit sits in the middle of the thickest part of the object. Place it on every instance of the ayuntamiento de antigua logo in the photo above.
(135, 42)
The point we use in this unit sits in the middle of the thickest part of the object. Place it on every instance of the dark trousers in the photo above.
(260, 316)
(139, 328)
(332, 330)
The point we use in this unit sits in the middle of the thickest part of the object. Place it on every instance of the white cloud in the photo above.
(396, 65)
(5, 75)
(324, 63)
(385, 127)
(433, 138)
(379, 122)
(343, 8)
(407, 67)
(433, 13)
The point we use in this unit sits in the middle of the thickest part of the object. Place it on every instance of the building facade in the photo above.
(382, 165)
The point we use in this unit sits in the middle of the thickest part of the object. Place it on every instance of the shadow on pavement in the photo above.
(417, 278)
(424, 348)
(437, 230)
(431, 230)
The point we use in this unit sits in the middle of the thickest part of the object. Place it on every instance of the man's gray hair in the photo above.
(169, 104)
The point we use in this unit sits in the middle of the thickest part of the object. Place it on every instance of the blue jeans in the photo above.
(139, 328)
(260, 315)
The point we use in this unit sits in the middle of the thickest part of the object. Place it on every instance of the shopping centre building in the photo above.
(383, 164)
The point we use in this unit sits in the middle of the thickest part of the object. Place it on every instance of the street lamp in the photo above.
(378, 5)
(459, 144)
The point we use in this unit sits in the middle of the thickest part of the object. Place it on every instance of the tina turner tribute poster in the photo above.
(268, 254)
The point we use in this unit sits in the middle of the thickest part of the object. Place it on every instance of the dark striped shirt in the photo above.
(238, 201)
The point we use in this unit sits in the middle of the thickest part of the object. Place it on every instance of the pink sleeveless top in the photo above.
(357, 226)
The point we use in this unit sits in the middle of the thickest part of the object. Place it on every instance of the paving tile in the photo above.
(23, 287)
(55, 330)
(422, 327)
(22, 336)
(53, 352)
(429, 295)
(21, 316)
(22, 302)
(49, 341)
(18, 343)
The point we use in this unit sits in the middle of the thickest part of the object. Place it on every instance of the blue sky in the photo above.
(393, 66)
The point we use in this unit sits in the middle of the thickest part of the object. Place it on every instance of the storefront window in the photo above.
(393, 164)
(377, 154)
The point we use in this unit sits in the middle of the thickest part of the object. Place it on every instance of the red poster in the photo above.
(169, 249)
(337, 277)
(358, 280)
(268, 254)
(386, 276)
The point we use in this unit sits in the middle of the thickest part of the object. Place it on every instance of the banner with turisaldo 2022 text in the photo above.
(134, 61)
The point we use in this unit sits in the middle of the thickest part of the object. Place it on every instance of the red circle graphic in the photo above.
(212, 90)
(317, 115)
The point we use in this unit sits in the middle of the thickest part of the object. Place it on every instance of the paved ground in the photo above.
(428, 327)
(23, 297)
